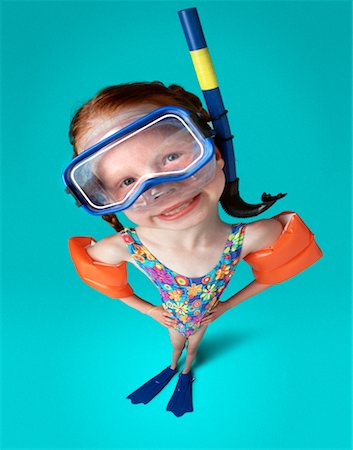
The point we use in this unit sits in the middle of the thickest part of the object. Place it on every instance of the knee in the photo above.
(179, 347)
(191, 349)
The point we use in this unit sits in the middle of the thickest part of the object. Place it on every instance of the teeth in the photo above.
(180, 208)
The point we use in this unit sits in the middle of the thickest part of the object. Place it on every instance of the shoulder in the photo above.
(260, 234)
(109, 250)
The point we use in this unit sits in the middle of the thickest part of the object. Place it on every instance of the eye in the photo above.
(128, 181)
(172, 156)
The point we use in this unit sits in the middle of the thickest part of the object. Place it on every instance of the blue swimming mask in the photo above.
(165, 156)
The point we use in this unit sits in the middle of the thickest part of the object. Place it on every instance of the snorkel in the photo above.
(231, 201)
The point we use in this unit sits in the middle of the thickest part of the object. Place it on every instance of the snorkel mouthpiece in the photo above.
(235, 206)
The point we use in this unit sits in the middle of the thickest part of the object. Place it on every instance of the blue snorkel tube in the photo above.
(230, 199)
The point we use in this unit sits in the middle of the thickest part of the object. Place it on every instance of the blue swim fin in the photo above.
(151, 388)
(181, 400)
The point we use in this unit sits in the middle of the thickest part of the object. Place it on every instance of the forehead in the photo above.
(102, 126)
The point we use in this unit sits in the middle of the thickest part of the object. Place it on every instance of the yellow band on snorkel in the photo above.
(204, 68)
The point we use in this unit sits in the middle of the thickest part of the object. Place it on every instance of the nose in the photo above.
(158, 191)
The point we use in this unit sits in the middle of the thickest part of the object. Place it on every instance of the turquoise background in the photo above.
(273, 372)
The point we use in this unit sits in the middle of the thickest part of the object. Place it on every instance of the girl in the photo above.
(184, 248)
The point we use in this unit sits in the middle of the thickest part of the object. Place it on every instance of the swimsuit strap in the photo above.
(134, 244)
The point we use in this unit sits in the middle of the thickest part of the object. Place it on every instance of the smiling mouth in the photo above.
(179, 207)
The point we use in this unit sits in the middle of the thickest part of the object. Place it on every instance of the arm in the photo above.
(257, 235)
(157, 313)
(97, 268)
(103, 267)
(277, 253)
(110, 251)
(293, 252)
(138, 303)
(248, 291)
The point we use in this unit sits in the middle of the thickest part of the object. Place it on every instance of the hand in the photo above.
(162, 316)
(217, 311)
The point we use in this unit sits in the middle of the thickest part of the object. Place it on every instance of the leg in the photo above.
(193, 342)
(178, 343)
(181, 400)
(151, 388)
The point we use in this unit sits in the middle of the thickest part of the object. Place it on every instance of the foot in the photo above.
(181, 400)
(151, 388)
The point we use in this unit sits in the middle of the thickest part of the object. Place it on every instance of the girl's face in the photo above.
(185, 214)
(142, 156)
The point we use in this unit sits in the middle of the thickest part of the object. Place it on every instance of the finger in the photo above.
(208, 320)
(209, 316)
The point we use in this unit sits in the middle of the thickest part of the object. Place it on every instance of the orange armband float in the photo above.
(106, 278)
(294, 251)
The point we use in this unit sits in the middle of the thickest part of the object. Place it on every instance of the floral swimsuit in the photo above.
(188, 299)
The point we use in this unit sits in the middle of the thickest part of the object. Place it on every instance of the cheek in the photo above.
(131, 215)
(140, 218)
(216, 186)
